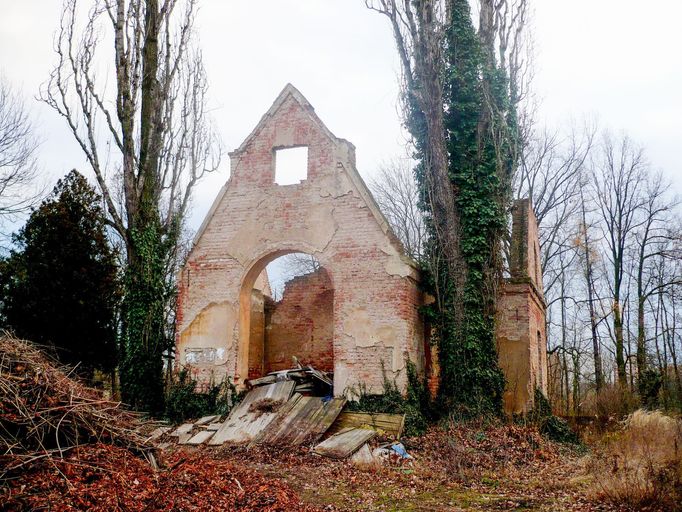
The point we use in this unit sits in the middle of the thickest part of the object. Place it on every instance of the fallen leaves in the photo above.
(103, 478)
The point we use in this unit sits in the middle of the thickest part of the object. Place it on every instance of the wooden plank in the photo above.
(184, 437)
(206, 420)
(284, 420)
(319, 375)
(303, 421)
(390, 424)
(345, 443)
(158, 432)
(185, 428)
(200, 438)
(213, 426)
(254, 413)
(269, 379)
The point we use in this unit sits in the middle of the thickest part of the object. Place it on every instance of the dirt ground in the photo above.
(494, 468)
(502, 467)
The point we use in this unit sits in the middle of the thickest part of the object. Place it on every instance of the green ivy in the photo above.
(550, 426)
(184, 402)
(480, 162)
(145, 336)
(415, 404)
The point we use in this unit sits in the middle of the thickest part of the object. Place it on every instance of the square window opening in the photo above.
(291, 165)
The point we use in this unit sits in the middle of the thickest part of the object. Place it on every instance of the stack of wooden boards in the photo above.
(307, 379)
(275, 415)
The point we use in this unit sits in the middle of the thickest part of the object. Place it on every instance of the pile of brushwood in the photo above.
(45, 412)
(64, 447)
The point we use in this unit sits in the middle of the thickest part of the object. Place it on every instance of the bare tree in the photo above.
(18, 145)
(153, 139)
(588, 255)
(299, 264)
(395, 191)
(507, 43)
(418, 29)
(148, 142)
(619, 175)
(549, 173)
(653, 242)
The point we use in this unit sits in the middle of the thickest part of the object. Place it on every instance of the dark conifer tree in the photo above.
(60, 285)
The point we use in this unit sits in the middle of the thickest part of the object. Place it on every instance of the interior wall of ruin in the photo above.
(301, 324)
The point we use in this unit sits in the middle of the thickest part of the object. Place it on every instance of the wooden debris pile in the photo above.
(307, 379)
(44, 412)
(275, 413)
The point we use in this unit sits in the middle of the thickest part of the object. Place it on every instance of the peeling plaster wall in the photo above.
(330, 215)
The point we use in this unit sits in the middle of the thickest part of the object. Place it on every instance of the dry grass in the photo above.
(612, 402)
(641, 465)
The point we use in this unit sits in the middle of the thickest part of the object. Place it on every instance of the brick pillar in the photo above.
(521, 315)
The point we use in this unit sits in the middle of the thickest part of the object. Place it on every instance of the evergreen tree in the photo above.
(60, 286)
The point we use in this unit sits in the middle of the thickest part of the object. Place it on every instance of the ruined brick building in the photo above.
(357, 315)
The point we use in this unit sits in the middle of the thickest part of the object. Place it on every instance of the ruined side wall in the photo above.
(521, 323)
(521, 316)
(257, 328)
(301, 324)
(525, 247)
(376, 299)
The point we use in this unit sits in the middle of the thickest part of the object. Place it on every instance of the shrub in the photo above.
(613, 401)
(414, 405)
(641, 465)
(554, 428)
(183, 401)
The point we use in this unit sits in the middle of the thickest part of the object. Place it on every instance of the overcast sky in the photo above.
(618, 60)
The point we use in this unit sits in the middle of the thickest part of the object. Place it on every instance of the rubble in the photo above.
(275, 413)
(308, 380)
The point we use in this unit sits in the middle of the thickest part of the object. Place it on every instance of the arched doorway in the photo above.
(286, 315)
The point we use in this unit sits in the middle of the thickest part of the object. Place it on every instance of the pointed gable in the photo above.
(328, 155)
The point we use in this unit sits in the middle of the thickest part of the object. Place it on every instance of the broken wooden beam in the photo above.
(390, 424)
(344, 443)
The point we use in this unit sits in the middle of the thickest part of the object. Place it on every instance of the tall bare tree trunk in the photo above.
(596, 350)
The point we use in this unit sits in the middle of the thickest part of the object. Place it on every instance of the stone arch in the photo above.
(253, 270)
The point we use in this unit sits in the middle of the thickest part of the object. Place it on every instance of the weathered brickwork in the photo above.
(330, 215)
(359, 317)
(521, 327)
(301, 324)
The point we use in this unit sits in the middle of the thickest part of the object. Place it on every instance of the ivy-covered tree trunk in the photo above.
(144, 339)
(459, 107)
(472, 380)
(143, 331)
